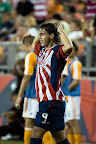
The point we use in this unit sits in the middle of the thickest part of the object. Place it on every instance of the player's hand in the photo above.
(18, 102)
(60, 27)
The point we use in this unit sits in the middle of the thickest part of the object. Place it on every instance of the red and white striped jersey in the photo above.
(49, 67)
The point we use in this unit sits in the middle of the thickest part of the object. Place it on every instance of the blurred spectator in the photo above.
(25, 7)
(7, 26)
(14, 3)
(54, 6)
(64, 1)
(40, 10)
(77, 10)
(75, 35)
(71, 12)
(13, 14)
(19, 20)
(15, 123)
(76, 30)
(56, 19)
(87, 27)
(18, 23)
(31, 23)
(24, 26)
(21, 31)
(81, 50)
(90, 9)
(93, 38)
(18, 71)
(80, 6)
(4, 7)
(93, 32)
(67, 16)
(56, 16)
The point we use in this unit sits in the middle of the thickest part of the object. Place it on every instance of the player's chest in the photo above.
(45, 57)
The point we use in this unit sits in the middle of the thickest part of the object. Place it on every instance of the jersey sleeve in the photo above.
(60, 54)
(30, 63)
(76, 70)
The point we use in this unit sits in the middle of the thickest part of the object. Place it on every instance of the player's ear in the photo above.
(51, 36)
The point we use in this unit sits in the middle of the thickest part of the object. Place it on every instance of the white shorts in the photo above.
(72, 110)
(30, 108)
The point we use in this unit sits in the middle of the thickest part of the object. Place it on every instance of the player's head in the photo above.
(74, 51)
(48, 33)
(27, 43)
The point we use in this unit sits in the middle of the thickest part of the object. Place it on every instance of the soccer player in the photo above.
(30, 107)
(71, 84)
(51, 59)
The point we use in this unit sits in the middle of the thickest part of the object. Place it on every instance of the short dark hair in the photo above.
(28, 39)
(75, 46)
(51, 28)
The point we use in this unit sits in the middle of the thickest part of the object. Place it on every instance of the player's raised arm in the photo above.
(68, 46)
(35, 41)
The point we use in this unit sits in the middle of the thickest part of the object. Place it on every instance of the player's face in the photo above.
(27, 48)
(24, 47)
(44, 37)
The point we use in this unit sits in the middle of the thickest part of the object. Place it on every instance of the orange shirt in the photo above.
(30, 63)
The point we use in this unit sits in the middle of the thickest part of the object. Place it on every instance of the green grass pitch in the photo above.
(10, 142)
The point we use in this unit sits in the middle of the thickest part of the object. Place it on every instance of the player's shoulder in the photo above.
(31, 54)
(55, 48)
(77, 61)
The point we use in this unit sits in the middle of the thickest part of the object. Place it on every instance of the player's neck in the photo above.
(73, 57)
(50, 45)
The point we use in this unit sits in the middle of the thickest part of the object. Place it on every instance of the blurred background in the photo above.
(19, 18)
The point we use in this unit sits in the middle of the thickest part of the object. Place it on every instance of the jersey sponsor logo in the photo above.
(41, 62)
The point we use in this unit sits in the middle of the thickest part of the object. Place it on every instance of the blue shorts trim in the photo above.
(51, 115)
